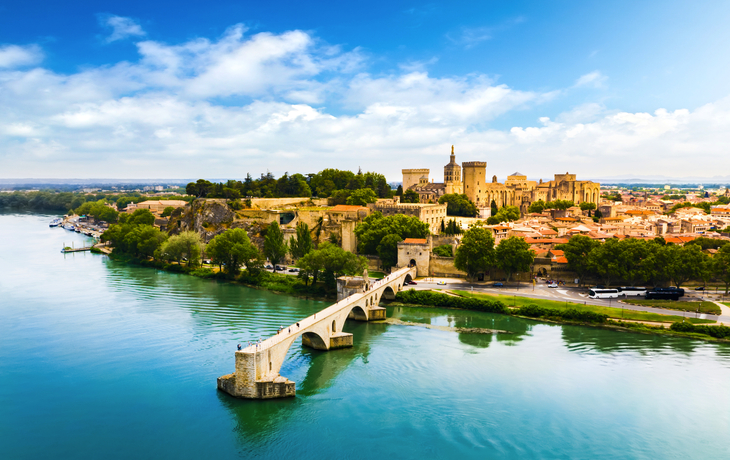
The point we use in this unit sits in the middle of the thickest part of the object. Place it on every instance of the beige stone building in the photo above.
(431, 213)
(471, 179)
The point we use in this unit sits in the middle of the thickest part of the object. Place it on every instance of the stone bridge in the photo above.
(257, 366)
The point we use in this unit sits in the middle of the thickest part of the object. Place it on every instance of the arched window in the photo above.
(334, 326)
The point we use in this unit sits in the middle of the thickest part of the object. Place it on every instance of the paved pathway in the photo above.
(569, 294)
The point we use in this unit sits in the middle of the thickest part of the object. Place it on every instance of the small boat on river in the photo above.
(55, 223)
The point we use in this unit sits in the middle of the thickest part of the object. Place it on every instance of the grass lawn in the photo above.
(610, 311)
(705, 307)
(376, 275)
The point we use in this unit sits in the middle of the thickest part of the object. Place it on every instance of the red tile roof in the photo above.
(415, 241)
(346, 208)
(560, 260)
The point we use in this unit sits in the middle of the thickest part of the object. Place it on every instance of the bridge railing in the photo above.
(312, 319)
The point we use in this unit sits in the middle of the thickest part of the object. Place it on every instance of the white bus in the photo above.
(637, 291)
(603, 293)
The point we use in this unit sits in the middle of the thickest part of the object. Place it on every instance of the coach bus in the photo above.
(596, 293)
(627, 291)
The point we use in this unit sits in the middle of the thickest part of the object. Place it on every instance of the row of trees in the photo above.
(379, 235)
(636, 261)
(459, 205)
(477, 254)
(334, 183)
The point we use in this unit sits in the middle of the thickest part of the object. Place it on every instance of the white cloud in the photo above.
(594, 79)
(222, 108)
(17, 56)
(121, 27)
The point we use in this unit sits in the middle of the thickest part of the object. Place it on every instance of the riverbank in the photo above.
(264, 280)
(571, 314)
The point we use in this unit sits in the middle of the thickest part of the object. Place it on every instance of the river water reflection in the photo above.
(102, 360)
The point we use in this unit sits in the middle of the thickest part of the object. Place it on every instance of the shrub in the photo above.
(572, 314)
(442, 300)
(718, 332)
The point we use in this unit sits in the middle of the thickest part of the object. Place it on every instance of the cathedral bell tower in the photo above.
(452, 176)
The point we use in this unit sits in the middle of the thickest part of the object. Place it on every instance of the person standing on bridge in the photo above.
(239, 347)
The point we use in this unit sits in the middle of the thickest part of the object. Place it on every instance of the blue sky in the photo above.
(218, 89)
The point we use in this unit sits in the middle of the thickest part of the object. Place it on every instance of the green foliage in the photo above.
(513, 255)
(559, 204)
(375, 227)
(569, 314)
(399, 191)
(388, 250)
(167, 211)
(458, 205)
(720, 266)
(612, 197)
(433, 299)
(187, 245)
(576, 251)
(135, 237)
(708, 243)
(445, 250)
(275, 248)
(410, 196)
(330, 262)
(301, 244)
(450, 228)
(361, 197)
(42, 200)
(587, 206)
(495, 210)
(536, 206)
(674, 197)
(718, 332)
(506, 214)
(475, 254)
(232, 249)
(98, 210)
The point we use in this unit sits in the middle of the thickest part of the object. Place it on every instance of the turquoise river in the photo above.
(99, 360)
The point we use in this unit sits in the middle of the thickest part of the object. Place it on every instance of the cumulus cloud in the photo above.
(18, 56)
(287, 102)
(121, 27)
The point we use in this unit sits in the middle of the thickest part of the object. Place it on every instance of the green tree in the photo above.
(536, 206)
(388, 250)
(506, 214)
(684, 263)
(513, 255)
(587, 206)
(604, 261)
(559, 204)
(186, 245)
(375, 227)
(494, 207)
(167, 211)
(232, 249)
(275, 248)
(458, 205)
(399, 190)
(721, 266)
(330, 262)
(631, 253)
(451, 228)
(577, 251)
(410, 196)
(361, 197)
(199, 189)
(475, 254)
(301, 244)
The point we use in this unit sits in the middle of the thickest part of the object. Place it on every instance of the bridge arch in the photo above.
(407, 279)
(358, 313)
(388, 293)
(313, 339)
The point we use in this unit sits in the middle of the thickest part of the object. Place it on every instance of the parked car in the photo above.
(410, 282)
(700, 288)
(269, 267)
(280, 267)
(294, 270)
(441, 283)
(553, 284)
(496, 285)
